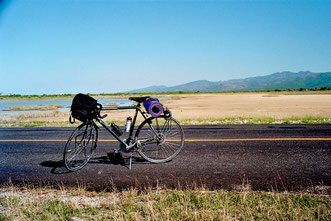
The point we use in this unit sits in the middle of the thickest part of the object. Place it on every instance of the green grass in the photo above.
(255, 120)
(198, 121)
(50, 124)
(160, 204)
(37, 124)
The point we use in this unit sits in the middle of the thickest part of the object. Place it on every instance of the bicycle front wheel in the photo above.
(80, 146)
(161, 139)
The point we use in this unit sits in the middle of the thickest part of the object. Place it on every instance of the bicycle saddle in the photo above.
(139, 99)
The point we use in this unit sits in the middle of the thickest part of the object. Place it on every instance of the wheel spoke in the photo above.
(80, 146)
(169, 139)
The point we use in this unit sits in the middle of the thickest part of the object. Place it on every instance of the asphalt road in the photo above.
(265, 157)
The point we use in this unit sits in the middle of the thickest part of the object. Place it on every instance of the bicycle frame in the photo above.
(110, 130)
(158, 139)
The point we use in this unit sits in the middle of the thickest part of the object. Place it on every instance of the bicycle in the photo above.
(157, 139)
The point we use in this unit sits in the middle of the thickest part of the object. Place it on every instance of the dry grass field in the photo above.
(207, 108)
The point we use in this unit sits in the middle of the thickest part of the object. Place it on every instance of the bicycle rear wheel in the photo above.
(161, 139)
(80, 146)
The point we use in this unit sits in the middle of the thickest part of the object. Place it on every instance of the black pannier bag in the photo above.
(84, 108)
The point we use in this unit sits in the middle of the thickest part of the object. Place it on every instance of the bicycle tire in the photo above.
(162, 145)
(80, 146)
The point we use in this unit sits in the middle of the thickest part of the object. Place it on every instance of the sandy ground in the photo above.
(250, 105)
(213, 106)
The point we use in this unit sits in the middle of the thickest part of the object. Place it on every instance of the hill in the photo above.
(279, 80)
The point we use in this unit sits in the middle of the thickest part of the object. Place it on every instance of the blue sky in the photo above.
(105, 46)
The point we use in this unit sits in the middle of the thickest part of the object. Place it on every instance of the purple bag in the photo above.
(153, 107)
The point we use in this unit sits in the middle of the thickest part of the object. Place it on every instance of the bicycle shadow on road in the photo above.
(57, 166)
(111, 159)
(118, 159)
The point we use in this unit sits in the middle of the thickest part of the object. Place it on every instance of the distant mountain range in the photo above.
(280, 80)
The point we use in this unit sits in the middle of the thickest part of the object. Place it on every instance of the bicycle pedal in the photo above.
(117, 151)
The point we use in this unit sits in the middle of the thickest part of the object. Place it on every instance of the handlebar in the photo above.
(99, 110)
